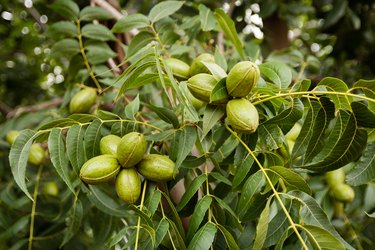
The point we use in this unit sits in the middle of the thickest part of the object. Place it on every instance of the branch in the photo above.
(108, 7)
(35, 108)
(220, 35)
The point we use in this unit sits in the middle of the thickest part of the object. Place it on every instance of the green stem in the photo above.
(299, 76)
(139, 218)
(85, 60)
(293, 225)
(157, 37)
(314, 93)
(207, 190)
(352, 232)
(165, 217)
(33, 208)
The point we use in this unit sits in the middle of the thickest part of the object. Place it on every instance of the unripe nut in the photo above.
(156, 167)
(242, 78)
(36, 155)
(242, 116)
(201, 86)
(83, 101)
(109, 144)
(99, 169)
(294, 132)
(11, 136)
(197, 66)
(179, 68)
(131, 149)
(128, 185)
(343, 192)
(335, 177)
(50, 188)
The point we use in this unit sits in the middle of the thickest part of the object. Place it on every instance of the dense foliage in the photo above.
(290, 165)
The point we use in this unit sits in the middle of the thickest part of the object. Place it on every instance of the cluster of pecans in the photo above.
(243, 76)
(124, 158)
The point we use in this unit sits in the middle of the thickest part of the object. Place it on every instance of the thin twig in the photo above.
(108, 7)
(35, 108)
(35, 196)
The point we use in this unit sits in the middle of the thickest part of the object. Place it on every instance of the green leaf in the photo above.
(18, 156)
(190, 191)
(161, 231)
(215, 70)
(337, 12)
(262, 227)
(322, 239)
(18, 225)
(344, 144)
(126, 79)
(199, 212)
(153, 202)
(90, 13)
(278, 73)
(166, 115)
(241, 171)
(179, 243)
(75, 147)
(176, 223)
(312, 214)
(336, 85)
(139, 41)
(220, 59)
(74, 222)
(252, 186)
(67, 48)
(293, 180)
(185, 142)
(58, 156)
(118, 237)
(82, 118)
(221, 178)
(66, 8)
(227, 25)
(133, 21)
(229, 239)
(92, 139)
(212, 114)
(58, 123)
(98, 52)
(204, 237)
(97, 32)
(279, 224)
(104, 202)
(164, 9)
(226, 149)
(132, 108)
(288, 117)
(310, 140)
(228, 209)
(364, 171)
(62, 28)
(140, 213)
(368, 88)
(207, 18)
(363, 115)
(219, 94)
(142, 80)
(270, 136)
